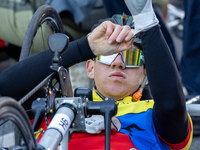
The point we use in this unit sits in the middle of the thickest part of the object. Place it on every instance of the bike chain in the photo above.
(46, 102)
(48, 110)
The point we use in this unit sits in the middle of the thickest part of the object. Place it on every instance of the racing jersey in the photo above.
(137, 130)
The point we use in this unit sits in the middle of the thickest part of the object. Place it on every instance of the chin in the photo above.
(115, 94)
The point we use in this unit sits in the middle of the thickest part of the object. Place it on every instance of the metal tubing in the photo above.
(57, 128)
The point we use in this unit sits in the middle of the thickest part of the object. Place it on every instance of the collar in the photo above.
(97, 97)
(126, 105)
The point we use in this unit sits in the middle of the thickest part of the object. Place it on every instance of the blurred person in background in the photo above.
(190, 70)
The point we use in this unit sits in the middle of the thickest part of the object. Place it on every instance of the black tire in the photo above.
(44, 14)
(14, 120)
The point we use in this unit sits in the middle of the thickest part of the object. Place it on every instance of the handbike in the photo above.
(63, 113)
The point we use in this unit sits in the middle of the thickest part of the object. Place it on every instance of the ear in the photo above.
(90, 68)
(145, 71)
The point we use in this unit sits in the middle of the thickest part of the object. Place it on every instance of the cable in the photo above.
(137, 96)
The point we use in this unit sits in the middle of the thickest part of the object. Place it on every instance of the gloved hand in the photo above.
(143, 14)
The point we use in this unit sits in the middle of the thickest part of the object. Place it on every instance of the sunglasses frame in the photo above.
(140, 55)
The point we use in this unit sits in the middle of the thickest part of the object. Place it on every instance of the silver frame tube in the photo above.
(53, 135)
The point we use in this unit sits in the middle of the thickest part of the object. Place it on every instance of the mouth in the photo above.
(117, 75)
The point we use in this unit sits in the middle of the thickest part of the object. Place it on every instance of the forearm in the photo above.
(19, 79)
(169, 114)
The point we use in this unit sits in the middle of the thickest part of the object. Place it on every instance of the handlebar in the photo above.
(71, 113)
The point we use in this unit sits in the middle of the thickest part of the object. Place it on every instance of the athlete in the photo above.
(158, 123)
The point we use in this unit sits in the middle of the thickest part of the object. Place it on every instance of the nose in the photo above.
(118, 62)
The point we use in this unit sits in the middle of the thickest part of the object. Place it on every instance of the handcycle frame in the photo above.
(75, 109)
(68, 113)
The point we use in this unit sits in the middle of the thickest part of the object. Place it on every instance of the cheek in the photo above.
(99, 75)
(136, 77)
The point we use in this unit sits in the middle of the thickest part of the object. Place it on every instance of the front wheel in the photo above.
(15, 129)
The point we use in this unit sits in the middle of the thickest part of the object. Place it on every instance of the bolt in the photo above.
(106, 99)
(73, 124)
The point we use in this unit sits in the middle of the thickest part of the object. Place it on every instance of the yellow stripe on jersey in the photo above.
(191, 135)
(134, 107)
(128, 106)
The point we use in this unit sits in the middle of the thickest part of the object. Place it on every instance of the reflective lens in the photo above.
(131, 58)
